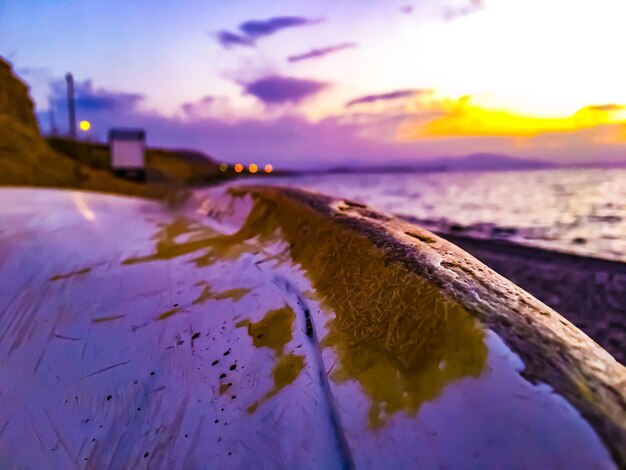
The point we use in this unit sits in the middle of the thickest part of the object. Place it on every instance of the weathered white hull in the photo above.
(132, 335)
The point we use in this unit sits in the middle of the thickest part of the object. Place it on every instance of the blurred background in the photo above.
(499, 124)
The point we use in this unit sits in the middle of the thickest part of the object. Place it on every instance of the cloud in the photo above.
(283, 140)
(228, 39)
(394, 95)
(198, 108)
(257, 28)
(278, 90)
(321, 52)
(90, 99)
(472, 6)
(91, 103)
(407, 9)
(252, 30)
(292, 141)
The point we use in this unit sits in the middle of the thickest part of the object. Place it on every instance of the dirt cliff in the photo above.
(27, 159)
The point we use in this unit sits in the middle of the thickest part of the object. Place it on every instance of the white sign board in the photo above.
(127, 149)
(127, 154)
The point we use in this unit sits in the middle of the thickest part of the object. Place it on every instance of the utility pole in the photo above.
(53, 123)
(71, 105)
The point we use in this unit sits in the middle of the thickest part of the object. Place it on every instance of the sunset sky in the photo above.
(303, 83)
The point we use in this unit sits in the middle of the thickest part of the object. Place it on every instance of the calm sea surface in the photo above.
(580, 211)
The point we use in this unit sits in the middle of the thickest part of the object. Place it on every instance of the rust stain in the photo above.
(207, 294)
(199, 238)
(58, 277)
(236, 294)
(285, 372)
(169, 313)
(274, 332)
(106, 319)
(394, 332)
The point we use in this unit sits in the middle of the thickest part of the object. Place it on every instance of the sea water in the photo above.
(580, 211)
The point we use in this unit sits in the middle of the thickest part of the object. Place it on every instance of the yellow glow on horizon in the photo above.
(253, 168)
(84, 125)
(460, 118)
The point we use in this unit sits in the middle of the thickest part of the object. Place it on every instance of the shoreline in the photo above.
(590, 292)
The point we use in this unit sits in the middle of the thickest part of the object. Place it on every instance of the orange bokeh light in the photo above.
(268, 168)
(253, 168)
(238, 167)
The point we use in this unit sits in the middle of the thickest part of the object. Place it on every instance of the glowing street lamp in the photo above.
(223, 167)
(84, 126)
(253, 168)
(268, 168)
(238, 167)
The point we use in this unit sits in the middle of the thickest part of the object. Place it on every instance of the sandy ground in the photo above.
(589, 292)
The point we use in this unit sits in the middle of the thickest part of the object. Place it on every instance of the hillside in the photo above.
(24, 156)
(27, 159)
(171, 166)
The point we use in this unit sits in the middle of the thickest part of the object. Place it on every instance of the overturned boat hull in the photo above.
(275, 327)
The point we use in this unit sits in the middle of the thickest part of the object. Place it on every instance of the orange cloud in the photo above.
(460, 118)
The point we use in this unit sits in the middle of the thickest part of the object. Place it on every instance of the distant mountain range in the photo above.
(490, 161)
(473, 162)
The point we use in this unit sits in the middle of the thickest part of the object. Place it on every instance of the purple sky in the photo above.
(324, 83)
